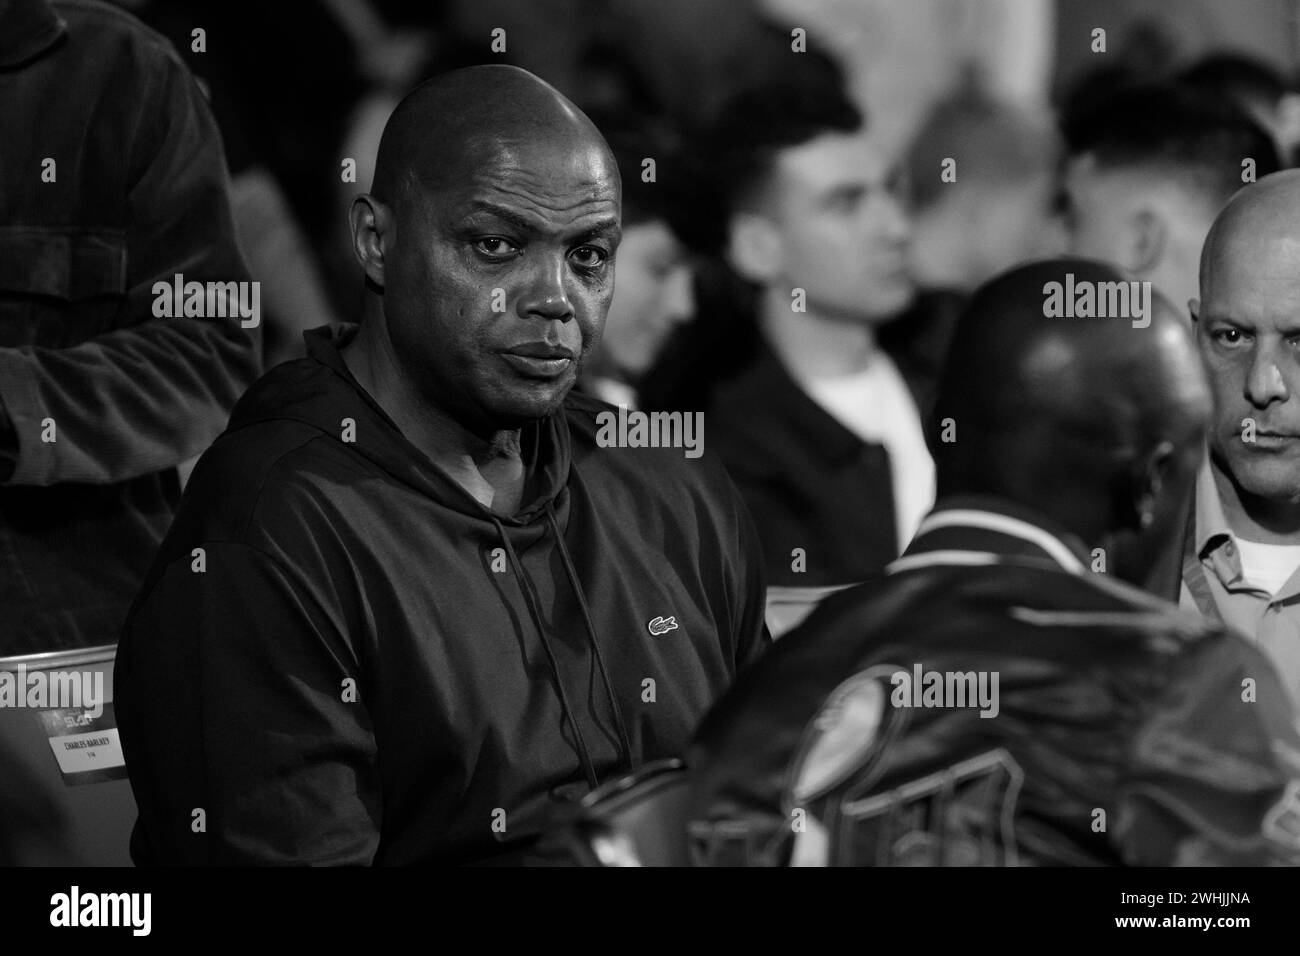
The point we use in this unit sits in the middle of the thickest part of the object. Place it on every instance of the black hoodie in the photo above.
(340, 656)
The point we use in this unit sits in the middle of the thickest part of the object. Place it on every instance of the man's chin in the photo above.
(880, 307)
(1275, 478)
(517, 405)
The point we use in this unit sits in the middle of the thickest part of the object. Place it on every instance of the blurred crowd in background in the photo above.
(831, 180)
(812, 190)
(884, 159)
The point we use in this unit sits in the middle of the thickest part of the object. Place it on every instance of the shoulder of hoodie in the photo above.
(112, 24)
(663, 473)
(261, 479)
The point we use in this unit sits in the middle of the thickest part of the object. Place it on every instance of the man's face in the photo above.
(654, 295)
(500, 278)
(842, 226)
(1248, 333)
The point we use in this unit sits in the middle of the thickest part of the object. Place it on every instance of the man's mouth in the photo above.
(1273, 439)
(539, 359)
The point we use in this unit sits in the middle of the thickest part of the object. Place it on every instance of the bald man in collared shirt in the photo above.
(1238, 559)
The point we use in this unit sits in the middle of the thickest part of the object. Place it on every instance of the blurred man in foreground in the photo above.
(997, 697)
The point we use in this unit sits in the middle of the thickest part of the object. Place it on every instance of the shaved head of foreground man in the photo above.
(997, 697)
(413, 604)
(1236, 557)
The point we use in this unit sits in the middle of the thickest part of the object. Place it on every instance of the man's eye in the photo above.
(495, 247)
(1229, 336)
(590, 257)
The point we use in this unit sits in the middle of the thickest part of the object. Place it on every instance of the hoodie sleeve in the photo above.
(1214, 777)
(243, 719)
(747, 588)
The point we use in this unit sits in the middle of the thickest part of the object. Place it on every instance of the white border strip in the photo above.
(928, 558)
(1005, 524)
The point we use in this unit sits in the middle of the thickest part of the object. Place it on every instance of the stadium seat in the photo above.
(64, 761)
(787, 607)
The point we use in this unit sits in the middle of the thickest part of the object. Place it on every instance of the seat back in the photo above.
(59, 738)
(638, 819)
(786, 607)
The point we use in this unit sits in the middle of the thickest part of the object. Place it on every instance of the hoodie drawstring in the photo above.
(624, 738)
(588, 767)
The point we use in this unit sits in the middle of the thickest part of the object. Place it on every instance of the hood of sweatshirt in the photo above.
(501, 666)
(326, 396)
(323, 394)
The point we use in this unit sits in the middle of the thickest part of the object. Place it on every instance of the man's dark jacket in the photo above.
(342, 657)
(111, 178)
(1125, 731)
(809, 481)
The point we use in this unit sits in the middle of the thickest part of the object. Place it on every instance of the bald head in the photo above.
(490, 237)
(1257, 229)
(451, 125)
(1248, 331)
(1067, 415)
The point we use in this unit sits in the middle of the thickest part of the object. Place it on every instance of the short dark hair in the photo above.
(1241, 77)
(1176, 131)
(1000, 144)
(760, 123)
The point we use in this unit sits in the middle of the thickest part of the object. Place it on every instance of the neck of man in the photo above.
(1262, 520)
(489, 467)
(810, 344)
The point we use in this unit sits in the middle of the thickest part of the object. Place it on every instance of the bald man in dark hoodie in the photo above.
(412, 605)
(998, 698)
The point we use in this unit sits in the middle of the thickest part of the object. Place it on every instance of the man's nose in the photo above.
(546, 296)
(895, 224)
(1265, 383)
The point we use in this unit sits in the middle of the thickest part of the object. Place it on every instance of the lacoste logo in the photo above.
(662, 625)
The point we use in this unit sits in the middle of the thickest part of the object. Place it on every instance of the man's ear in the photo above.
(1194, 308)
(1149, 243)
(371, 222)
(1288, 126)
(754, 247)
(1154, 472)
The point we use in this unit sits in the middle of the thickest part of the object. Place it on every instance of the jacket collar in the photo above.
(27, 29)
(978, 529)
(768, 385)
(545, 442)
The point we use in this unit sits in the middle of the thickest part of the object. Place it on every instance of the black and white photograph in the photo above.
(669, 434)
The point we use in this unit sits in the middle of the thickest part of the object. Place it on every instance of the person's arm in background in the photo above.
(155, 391)
(1214, 775)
